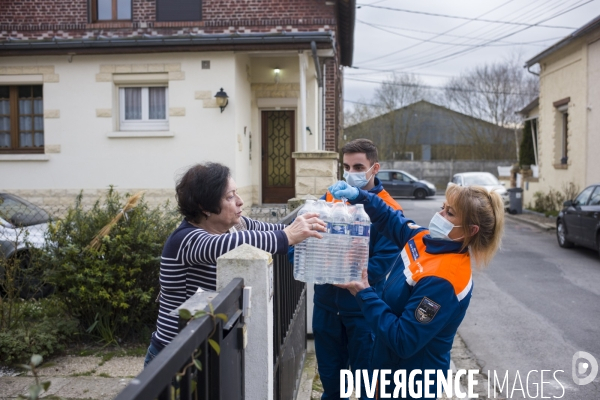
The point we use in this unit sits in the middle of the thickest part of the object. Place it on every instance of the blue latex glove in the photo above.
(342, 189)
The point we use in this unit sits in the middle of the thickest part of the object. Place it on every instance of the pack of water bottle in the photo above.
(344, 250)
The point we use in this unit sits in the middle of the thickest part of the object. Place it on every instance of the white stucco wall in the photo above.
(563, 74)
(85, 150)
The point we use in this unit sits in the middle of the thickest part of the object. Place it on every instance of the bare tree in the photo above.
(494, 93)
(393, 127)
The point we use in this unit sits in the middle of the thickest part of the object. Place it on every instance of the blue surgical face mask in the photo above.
(440, 227)
(357, 179)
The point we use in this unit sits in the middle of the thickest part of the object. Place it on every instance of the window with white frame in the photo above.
(562, 132)
(143, 108)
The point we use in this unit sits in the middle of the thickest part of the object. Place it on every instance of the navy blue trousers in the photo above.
(341, 342)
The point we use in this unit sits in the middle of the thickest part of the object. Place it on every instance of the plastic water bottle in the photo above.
(301, 250)
(324, 210)
(342, 253)
(360, 232)
(340, 219)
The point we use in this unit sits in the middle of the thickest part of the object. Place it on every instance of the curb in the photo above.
(541, 225)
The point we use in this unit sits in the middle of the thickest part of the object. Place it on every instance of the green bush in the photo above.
(41, 327)
(111, 289)
(552, 202)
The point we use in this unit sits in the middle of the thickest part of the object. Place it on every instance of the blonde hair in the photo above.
(476, 206)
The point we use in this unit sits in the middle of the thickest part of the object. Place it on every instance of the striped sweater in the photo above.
(189, 262)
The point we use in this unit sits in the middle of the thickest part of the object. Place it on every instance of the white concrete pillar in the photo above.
(303, 65)
(256, 267)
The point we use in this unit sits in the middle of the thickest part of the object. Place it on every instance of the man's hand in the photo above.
(342, 189)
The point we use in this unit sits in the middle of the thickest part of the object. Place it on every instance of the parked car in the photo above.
(485, 179)
(578, 223)
(22, 225)
(400, 183)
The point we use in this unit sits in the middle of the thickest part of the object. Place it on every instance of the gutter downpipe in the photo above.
(321, 94)
(531, 72)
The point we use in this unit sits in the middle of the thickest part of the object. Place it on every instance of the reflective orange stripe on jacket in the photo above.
(453, 267)
(383, 195)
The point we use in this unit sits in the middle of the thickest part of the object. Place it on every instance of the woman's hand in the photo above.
(305, 226)
(356, 286)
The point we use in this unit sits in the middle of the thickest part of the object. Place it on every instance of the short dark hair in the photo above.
(201, 189)
(362, 146)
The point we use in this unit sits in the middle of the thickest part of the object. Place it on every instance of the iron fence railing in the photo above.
(221, 377)
(289, 324)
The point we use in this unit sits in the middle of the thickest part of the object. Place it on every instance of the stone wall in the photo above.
(440, 172)
(57, 201)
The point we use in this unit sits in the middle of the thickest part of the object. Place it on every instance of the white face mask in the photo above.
(440, 227)
(357, 179)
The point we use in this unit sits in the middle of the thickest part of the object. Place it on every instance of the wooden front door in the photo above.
(277, 163)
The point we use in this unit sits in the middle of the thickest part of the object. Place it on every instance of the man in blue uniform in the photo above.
(343, 338)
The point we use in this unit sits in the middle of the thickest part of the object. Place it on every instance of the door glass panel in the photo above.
(279, 149)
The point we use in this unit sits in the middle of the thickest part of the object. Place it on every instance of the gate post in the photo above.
(256, 268)
(315, 172)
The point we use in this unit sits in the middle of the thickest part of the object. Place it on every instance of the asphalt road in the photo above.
(533, 308)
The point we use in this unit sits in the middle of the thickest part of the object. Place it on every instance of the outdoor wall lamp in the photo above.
(222, 99)
(276, 73)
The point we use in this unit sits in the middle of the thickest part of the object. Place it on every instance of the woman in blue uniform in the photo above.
(425, 299)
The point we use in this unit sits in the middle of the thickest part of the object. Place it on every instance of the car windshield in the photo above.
(482, 179)
(20, 212)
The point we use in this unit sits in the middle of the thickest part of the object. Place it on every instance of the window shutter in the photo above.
(178, 10)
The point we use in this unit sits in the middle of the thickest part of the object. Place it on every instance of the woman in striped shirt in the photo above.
(213, 225)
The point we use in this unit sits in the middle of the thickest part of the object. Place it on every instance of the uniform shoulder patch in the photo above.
(414, 226)
(426, 310)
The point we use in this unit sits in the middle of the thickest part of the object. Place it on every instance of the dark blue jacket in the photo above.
(383, 255)
(424, 299)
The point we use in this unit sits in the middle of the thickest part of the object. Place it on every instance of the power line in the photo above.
(395, 70)
(466, 18)
(501, 30)
(495, 40)
(438, 35)
(382, 28)
(454, 89)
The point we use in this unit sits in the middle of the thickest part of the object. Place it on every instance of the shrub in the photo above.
(552, 202)
(111, 289)
(34, 326)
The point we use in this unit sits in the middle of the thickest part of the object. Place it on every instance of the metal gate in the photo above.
(289, 325)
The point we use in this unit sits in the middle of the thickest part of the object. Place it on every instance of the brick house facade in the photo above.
(97, 52)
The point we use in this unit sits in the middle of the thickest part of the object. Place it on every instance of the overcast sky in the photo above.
(386, 38)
